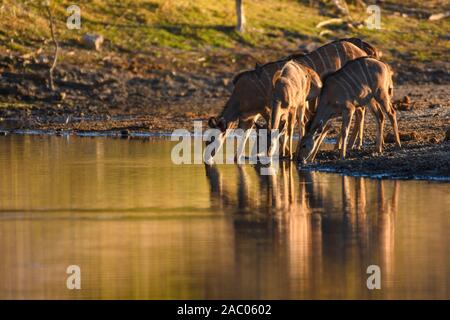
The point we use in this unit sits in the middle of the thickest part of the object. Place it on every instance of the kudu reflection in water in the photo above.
(312, 226)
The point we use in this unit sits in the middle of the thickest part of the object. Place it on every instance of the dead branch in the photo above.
(55, 58)
(333, 21)
(439, 16)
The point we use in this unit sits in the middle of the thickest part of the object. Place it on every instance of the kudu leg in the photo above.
(361, 127)
(379, 116)
(285, 144)
(319, 142)
(291, 127)
(246, 126)
(358, 129)
(393, 119)
(301, 126)
(347, 116)
(386, 104)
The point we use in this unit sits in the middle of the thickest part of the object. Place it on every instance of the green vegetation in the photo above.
(195, 24)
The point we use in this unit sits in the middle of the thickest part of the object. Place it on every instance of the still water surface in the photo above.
(140, 227)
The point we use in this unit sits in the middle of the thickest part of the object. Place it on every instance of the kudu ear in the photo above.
(315, 83)
(212, 122)
(222, 124)
(276, 77)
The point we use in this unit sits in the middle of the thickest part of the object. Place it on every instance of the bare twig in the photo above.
(55, 58)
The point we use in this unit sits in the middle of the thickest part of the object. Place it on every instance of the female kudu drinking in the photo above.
(292, 88)
(361, 82)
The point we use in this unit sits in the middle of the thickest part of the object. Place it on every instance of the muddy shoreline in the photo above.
(419, 162)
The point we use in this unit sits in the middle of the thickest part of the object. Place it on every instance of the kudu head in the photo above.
(215, 123)
(279, 104)
(309, 144)
(221, 125)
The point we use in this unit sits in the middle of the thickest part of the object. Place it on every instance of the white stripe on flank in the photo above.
(356, 81)
(261, 83)
(267, 76)
(331, 65)
(368, 74)
(339, 56)
(259, 88)
(312, 65)
(363, 73)
(347, 84)
(323, 62)
(345, 53)
(343, 84)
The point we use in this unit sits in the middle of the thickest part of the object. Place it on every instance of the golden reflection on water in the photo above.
(141, 227)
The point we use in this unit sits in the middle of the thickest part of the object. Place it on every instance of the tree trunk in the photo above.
(240, 16)
(55, 58)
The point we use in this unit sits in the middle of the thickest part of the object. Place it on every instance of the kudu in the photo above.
(293, 86)
(250, 97)
(361, 82)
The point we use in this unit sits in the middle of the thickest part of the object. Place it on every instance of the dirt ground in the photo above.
(151, 92)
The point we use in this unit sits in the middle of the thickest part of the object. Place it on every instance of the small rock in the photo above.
(406, 99)
(42, 59)
(414, 136)
(389, 138)
(411, 136)
(435, 106)
(92, 41)
(404, 104)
